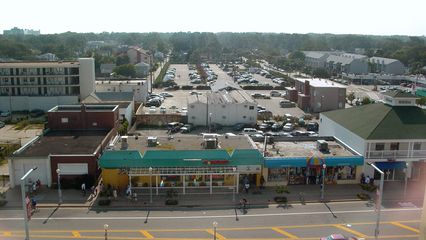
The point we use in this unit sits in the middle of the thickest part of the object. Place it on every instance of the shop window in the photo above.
(417, 146)
(64, 120)
(380, 146)
(394, 146)
(244, 117)
(251, 107)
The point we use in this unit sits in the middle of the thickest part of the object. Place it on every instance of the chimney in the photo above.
(307, 88)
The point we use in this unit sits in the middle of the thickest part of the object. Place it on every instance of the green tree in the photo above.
(421, 101)
(127, 70)
(351, 97)
(121, 60)
(366, 100)
(321, 73)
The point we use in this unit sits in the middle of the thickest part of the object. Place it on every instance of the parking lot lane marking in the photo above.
(218, 235)
(76, 234)
(356, 233)
(146, 234)
(7, 234)
(398, 224)
(287, 234)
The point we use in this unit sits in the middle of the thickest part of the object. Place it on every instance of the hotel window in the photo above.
(251, 107)
(394, 146)
(380, 146)
(417, 146)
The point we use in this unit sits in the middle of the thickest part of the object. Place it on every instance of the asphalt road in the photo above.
(310, 221)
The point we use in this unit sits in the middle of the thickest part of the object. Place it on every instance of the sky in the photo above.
(375, 17)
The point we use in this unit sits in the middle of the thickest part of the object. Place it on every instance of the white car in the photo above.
(152, 109)
(288, 127)
(166, 94)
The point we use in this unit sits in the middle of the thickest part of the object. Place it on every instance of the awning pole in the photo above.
(183, 176)
(156, 184)
(211, 184)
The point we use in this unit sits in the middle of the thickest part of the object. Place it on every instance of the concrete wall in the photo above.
(19, 166)
(358, 67)
(26, 103)
(395, 68)
(327, 99)
(87, 77)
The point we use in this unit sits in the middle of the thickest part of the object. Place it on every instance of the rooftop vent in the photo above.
(210, 141)
(152, 141)
(322, 146)
(124, 144)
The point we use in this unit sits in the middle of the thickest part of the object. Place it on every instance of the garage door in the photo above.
(23, 166)
(73, 168)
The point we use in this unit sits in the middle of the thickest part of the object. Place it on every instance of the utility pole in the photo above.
(423, 220)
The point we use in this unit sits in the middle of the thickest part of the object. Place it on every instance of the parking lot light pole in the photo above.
(58, 171)
(378, 203)
(323, 181)
(106, 231)
(210, 122)
(24, 205)
(214, 229)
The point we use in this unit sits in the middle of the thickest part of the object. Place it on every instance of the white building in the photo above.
(223, 107)
(138, 87)
(43, 85)
(392, 135)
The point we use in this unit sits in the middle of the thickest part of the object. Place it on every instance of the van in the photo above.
(249, 130)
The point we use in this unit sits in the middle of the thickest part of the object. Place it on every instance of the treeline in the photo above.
(195, 46)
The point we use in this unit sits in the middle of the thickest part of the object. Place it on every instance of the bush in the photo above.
(171, 202)
(203, 184)
(22, 124)
(203, 87)
(368, 187)
(191, 184)
(281, 190)
(257, 87)
(187, 87)
(280, 199)
(104, 202)
(363, 196)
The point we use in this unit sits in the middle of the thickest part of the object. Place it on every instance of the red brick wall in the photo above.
(83, 120)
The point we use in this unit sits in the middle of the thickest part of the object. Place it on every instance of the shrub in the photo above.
(104, 202)
(280, 199)
(202, 87)
(215, 184)
(171, 202)
(171, 193)
(203, 184)
(187, 87)
(363, 196)
(368, 187)
(281, 190)
(191, 184)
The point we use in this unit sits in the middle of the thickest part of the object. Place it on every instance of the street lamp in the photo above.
(380, 196)
(210, 122)
(323, 181)
(150, 184)
(24, 205)
(106, 231)
(58, 171)
(234, 170)
(214, 229)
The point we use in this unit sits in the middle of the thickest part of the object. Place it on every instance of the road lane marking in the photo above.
(218, 235)
(214, 216)
(76, 234)
(356, 233)
(287, 234)
(398, 224)
(7, 234)
(146, 234)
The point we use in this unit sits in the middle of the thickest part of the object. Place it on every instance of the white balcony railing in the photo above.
(396, 154)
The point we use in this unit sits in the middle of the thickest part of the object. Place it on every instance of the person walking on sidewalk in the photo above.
(83, 188)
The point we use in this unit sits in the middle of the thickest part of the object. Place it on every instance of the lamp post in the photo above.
(210, 122)
(24, 205)
(323, 181)
(234, 170)
(106, 231)
(214, 229)
(380, 196)
(58, 171)
(150, 184)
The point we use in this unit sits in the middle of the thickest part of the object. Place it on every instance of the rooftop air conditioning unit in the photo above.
(152, 141)
(124, 144)
(322, 146)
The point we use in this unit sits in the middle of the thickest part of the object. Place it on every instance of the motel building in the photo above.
(190, 164)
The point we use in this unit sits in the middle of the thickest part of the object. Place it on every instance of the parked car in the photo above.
(4, 114)
(238, 126)
(152, 109)
(288, 127)
(215, 126)
(36, 113)
(287, 104)
(300, 133)
(275, 94)
(249, 131)
(312, 126)
(195, 93)
(166, 94)
(2, 124)
(264, 127)
(162, 109)
(153, 102)
(338, 236)
(257, 95)
(174, 126)
(186, 128)
(276, 127)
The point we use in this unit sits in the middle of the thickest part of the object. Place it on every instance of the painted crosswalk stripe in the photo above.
(405, 226)
(218, 236)
(356, 233)
(146, 234)
(287, 234)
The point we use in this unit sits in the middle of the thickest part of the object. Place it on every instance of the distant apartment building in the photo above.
(315, 59)
(137, 86)
(337, 62)
(386, 66)
(47, 57)
(137, 55)
(19, 31)
(318, 95)
(226, 108)
(42, 85)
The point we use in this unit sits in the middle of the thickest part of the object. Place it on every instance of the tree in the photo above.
(127, 70)
(121, 60)
(321, 73)
(351, 97)
(366, 100)
(421, 101)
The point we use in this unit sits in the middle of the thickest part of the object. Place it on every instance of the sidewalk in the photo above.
(393, 195)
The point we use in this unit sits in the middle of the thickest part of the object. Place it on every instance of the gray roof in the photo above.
(380, 121)
(224, 85)
(114, 96)
(384, 60)
(340, 59)
(222, 97)
(314, 54)
(399, 94)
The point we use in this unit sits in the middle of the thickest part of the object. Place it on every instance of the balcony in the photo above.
(393, 154)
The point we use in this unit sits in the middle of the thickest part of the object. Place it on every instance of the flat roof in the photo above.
(222, 97)
(40, 64)
(64, 142)
(304, 149)
(186, 142)
(88, 108)
(319, 82)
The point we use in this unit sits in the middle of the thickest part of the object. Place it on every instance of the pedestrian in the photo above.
(243, 203)
(262, 182)
(33, 204)
(83, 188)
(367, 180)
(246, 187)
(92, 191)
(362, 178)
(34, 186)
(114, 194)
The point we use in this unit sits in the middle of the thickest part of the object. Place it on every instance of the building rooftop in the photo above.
(222, 97)
(39, 64)
(186, 142)
(399, 94)
(383, 60)
(88, 108)
(224, 85)
(118, 82)
(319, 82)
(380, 121)
(63, 142)
(340, 59)
(303, 149)
(114, 96)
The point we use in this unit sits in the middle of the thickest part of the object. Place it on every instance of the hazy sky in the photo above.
(378, 17)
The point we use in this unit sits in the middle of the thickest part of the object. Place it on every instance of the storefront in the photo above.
(394, 170)
(188, 171)
(309, 170)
